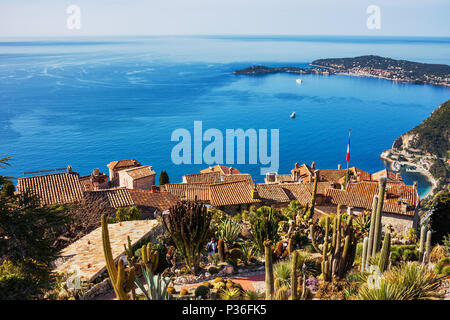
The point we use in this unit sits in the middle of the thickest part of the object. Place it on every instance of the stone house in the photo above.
(140, 178)
(116, 166)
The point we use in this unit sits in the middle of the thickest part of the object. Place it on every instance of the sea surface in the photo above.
(89, 101)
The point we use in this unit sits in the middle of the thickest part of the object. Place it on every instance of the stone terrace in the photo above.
(87, 255)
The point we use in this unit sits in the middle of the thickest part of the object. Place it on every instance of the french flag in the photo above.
(348, 146)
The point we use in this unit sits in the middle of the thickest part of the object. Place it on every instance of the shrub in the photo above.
(282, 272)
(410, 255)
(202, 292)
(439, 252)
(236, 253)
(264, 226)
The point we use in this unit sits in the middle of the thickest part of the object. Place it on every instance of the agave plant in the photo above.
(408, 281)
(229, 231)
(156, 286)
(253, 295)
(282, 273)
(230, 294)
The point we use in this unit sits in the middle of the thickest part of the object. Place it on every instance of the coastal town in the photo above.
(366, 66)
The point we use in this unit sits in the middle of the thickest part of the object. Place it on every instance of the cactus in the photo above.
(294, 277)
(291, 244)
(264, 226)
(150, 257)
(188, 225)
(269, 269)
(221, 250)
(378, 225)
(364, 254)
(423, 231)
(426, 256)
(129, 251)
(310, 211)
(383, 263)
(338, 257)
(122, 282)
(282, 294)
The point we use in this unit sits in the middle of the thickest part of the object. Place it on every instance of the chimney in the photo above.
(297, 165)
(313, 165)
(69, 169)
(155, 188)
(339, 166)
(254, 193)
(211, 169)
(96, 172)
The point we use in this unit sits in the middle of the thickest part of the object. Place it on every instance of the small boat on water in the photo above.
(396, 166)
(293, 115)
(299, 81)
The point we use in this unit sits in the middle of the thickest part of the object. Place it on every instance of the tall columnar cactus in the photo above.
(269, 269)
(338, 257)
(379, 211)
(374, 243)
(423, 231)
(426, 256)
(294, 276)
(122, 282)
(221, 249)
(129, 251)
(310, 212)
(364, 254)
(383, 263)
(188, 225)
(150, 257)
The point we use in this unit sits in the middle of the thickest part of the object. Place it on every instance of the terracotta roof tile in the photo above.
(360, 195)
(297, 191)
(188, 191)
(272, 193)
(123, 164)
(231, 193)
(160, 200)
(114, 198)
(221, 169)
(56, 188)
(140, 172)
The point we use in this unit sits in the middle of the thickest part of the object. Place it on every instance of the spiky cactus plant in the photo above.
(364, 254)
(379, 211)
(383, 263)
(426, 256)
(150, 257)
(221, 249)
(122, 282)
(310, 212)
(188, 225)
(269, 269)
(423, 231)
(294, 276)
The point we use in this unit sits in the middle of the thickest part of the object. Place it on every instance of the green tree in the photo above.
(27, 235)
(440, 219)
(163, 178)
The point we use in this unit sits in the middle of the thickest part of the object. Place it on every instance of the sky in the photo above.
(48, 18)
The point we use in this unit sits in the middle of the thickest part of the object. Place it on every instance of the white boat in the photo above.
(299, 81)
(293, 115)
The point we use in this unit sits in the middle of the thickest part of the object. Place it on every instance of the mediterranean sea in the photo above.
(89, 101)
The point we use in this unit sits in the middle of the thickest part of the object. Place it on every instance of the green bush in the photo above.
(395, 257)
(410, 255)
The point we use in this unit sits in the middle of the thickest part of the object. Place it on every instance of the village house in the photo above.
(400, 208)
(95, 181)
(116, 166)
(140, 178)
(221, 169)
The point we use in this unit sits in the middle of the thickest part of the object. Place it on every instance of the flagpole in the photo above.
(347, 177)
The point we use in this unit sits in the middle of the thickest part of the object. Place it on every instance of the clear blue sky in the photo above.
(252, 17)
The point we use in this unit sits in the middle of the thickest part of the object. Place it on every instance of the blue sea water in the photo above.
(89, 101)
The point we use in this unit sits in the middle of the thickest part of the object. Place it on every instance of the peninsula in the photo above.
(426, 148)
(369, 66)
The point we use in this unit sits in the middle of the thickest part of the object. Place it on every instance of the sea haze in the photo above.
(86, 102)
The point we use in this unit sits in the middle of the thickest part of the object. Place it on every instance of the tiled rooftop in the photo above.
(56, 188)
(231, 193)
(114, 198)
(221, 169)
(87, 254)
(123, 164)
(360, 195)
(160, 200)
(188, 191)
(140, 172)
